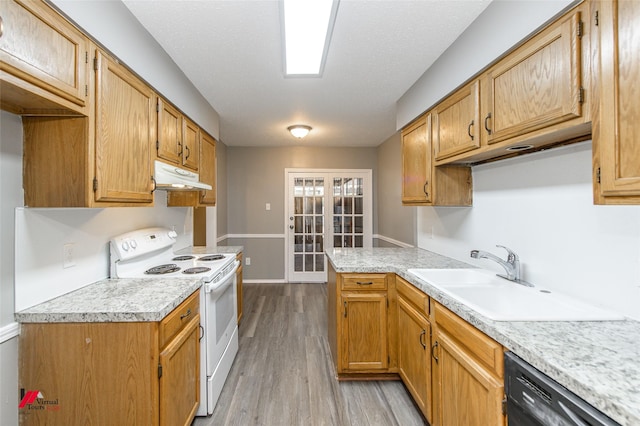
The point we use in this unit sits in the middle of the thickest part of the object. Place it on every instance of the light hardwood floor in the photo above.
(283, 373)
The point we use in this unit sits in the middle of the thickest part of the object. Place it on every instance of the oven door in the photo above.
(220, 308)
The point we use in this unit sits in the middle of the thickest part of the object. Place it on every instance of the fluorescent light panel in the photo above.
(307, 26)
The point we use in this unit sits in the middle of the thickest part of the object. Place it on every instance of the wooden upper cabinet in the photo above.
(169, 143)
(125, 123)
(208, 169)
(416, 163)
(43, 60)
(616, 146)
(191, 141)
(424, 184)
(538, 85)
(456, 122)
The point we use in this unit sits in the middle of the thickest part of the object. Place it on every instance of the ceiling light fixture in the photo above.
(299, 130)
(307, 30)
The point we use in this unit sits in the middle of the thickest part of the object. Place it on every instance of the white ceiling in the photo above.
(232, 52)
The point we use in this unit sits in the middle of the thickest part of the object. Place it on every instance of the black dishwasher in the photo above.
(534, 399)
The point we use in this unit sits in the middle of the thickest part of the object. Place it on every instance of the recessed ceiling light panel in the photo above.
(307, 31)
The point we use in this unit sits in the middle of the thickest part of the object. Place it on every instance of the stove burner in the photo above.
(211, 257)
(186, 257)
(163, 269)
(197, 270)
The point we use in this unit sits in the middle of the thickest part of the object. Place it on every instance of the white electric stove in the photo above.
(148, 253)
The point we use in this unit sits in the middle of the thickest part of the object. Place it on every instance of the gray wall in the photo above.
(221, 193)
(255, 176)
(395, 221)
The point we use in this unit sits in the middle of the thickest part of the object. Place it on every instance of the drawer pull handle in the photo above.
(345, 309)
(486, 123)
(424, 332)
(364, 282)
(186, 314)
(433, 351)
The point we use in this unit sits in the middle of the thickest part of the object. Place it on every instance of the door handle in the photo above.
(433, 351)
(424, 332)
(290, 226)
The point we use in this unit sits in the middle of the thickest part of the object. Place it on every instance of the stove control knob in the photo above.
(173, 234)
(125, 246)
(133, 244)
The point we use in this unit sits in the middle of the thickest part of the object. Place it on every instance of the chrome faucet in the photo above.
(511, 265)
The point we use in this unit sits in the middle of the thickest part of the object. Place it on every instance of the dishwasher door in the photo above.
(534, 399)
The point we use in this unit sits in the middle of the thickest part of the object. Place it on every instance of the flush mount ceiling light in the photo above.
(307, 31)
(299, 130)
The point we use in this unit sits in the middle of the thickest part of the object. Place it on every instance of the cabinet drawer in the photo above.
(413, 295)
(364, 282)
(178, 318)
(486, 350)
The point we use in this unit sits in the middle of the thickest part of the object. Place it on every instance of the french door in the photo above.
(325, 209)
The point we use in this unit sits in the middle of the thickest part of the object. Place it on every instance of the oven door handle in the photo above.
(209, 287)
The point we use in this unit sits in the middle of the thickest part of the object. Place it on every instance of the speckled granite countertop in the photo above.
(211, 250)
(598, 360)
(124, 300)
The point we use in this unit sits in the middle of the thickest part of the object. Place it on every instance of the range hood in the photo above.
(172, 178)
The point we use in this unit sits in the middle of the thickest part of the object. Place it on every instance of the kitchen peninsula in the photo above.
(595, 360)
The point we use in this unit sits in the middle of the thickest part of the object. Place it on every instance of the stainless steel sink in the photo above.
(502, 300)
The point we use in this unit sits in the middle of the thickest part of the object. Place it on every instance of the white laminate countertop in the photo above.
(597, 360)
(117, 300)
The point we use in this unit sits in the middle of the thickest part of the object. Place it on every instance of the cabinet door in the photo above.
(208, 169)
(169, 143)
(191, 140)
(465, 393)
(364, 331)
(537, 85)
(414, 360)
(180, 379)
(616, 137)
(43, 50)
(456, 123)
(416, 163)
(125, 121)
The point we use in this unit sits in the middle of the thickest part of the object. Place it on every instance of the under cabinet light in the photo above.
(307, 31)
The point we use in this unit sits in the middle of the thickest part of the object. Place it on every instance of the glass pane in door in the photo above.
(348, 212)
(308, 224)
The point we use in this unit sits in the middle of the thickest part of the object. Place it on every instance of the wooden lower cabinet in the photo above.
(364, 331)
(468, 374)
(414, 356)
(359, 324)
(128, 373)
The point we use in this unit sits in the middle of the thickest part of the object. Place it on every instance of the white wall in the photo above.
(540, 205)
(10, 197)
(502, 24)
(113, 25)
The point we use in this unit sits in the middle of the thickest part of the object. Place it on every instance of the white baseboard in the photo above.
(270, 281)
(392, 241)
(9, 331)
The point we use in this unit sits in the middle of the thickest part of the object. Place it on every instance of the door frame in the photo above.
(328, 226)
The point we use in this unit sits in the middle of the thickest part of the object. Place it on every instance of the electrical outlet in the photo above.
(68, 259)
(267, 206)
(247, 261)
